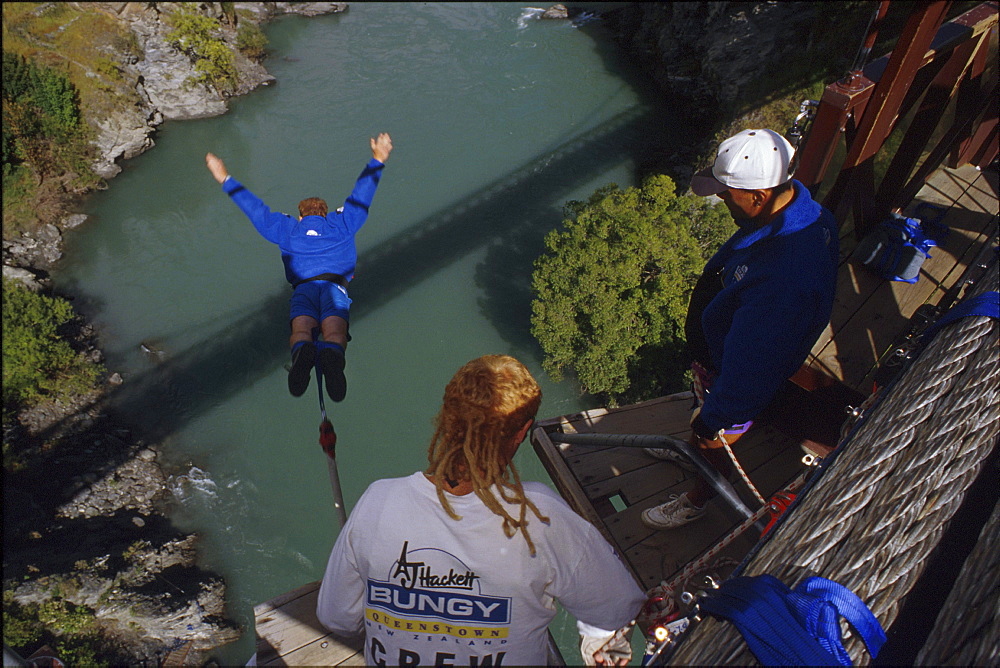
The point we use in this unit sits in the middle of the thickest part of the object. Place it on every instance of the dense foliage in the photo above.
(41, 114)
(198, 36)
(70, 630)
(613, 289)
(251, 41)
(37, 362)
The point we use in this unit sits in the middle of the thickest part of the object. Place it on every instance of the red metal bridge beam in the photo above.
(839, 101)
(938, 95)
(881, 111)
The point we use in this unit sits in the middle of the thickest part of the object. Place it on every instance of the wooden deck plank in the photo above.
(635, 485)
(565, 480)
(870, 314)
(288, 633)
(593, 475)
(662, 415)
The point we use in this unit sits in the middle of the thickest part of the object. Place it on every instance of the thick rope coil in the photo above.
(967, 630)
(874, 516)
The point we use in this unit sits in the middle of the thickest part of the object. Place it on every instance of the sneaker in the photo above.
(668, 455)
(676, 512)
(331, 360)
(302, 365)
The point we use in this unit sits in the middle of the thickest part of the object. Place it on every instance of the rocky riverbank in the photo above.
(85, 498)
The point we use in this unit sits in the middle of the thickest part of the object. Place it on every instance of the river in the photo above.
(497, 118)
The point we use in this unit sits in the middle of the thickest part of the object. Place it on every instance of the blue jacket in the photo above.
(776, 297)
(314, 245)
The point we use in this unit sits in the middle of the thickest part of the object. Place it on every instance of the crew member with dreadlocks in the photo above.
(462, 564)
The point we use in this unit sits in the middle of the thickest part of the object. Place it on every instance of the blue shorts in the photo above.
(320, 300)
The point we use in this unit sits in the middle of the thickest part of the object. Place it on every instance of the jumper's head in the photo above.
(312, 206)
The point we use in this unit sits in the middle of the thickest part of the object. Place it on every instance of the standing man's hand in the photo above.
(217, 167)
(381, 147)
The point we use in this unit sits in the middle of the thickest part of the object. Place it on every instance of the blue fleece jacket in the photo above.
(778, 285)
(316, 244)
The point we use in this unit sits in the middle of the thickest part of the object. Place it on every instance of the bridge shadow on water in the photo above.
(510, 216)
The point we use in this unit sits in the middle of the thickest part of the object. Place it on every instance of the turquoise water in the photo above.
(497, 120)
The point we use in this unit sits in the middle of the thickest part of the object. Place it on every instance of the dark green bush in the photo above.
(43, 134)
(251, 41)
(37, 362)
(70, 630)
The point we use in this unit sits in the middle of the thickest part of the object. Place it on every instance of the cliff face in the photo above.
(712, 53)
(714, 59)
(164, 79)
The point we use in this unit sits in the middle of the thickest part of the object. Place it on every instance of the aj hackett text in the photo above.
(418, 574)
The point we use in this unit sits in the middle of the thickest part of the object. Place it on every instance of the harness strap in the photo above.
(800, 627)
(333, 278)
(985, 304)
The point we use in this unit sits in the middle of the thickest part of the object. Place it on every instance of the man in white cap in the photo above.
(759, 306)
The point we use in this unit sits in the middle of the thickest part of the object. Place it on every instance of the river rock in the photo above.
(134, 485)
(168, 76)
(271, 9)
(705, 55)
(27, 278)
(39, 251)
(122, 134)
(556, 12)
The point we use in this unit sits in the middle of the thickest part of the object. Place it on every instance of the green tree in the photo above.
(613, 289)
(37, 361)
(41, 114)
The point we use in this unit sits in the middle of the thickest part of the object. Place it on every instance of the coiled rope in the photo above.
(967, 631)
(875, 514)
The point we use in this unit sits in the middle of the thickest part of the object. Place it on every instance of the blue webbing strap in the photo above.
(985, 304)
(819, 602)
(784, 628)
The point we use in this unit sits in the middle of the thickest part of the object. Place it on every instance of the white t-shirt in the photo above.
(430, 590)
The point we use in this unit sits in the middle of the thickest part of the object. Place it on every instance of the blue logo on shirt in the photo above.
(437, 604)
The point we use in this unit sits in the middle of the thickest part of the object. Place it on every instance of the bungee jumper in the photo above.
(319, 254)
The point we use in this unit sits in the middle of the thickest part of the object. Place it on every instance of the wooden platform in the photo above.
(869, 313)
(611, 486)
(288, 633)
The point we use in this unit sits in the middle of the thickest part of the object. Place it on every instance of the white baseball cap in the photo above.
(751, 160)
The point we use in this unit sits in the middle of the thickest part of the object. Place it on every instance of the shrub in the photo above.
(195, 34)
(69, 629)
(44, 90)
(251, 41)
(42, 126)
(37, 362)
(613, 289)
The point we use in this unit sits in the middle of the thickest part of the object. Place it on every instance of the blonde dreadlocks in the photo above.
(485, 404)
